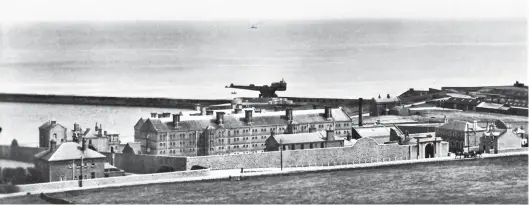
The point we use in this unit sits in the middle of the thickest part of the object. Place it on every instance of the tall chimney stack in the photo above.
(288, 113)
(220, 118)
(360, 101)
(328, 112)
(248, 116)
(330, 135)
(176, 120)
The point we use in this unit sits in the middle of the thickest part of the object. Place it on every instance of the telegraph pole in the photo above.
(81, 175)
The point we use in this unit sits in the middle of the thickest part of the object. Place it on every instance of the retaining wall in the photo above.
(102, 182)
(144, 164)
(23, 154)
(365, 150)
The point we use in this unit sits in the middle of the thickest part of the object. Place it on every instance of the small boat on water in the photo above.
(253, 26)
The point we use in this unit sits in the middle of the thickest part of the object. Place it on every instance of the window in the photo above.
(75, 177)
(293, 147)
(311, 145)
(322, 145)
(302, 146)
(93, 163)
(62, 178)
(491, 147)
(93, 175)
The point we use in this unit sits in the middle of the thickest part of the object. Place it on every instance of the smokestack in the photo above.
(203, 111)
(248, 116)
(330, 135)
(53, 145)
(328, 113)
(289, 114)
(176, 120)
(220, 118)
(360, 101)
(209, 112)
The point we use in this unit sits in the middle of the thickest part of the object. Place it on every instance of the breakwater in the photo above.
(110, 101)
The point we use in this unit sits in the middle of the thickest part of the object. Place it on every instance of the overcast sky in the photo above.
(73, 10)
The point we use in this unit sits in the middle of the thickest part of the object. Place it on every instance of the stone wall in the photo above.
(143, 164)
(23, 154)
(365, 150)
(102, 182)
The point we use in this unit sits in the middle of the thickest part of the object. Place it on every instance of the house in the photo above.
(500, 136)
(311, 140)
(51, 130)
(135, 146)
(229, 131)
(460, 134)
(381, 106)
(69, 161)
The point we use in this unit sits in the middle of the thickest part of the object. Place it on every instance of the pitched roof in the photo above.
(373, 132)
(49, 125)
(490, 105)
(463, 101)
(139, 123)
(189, 123)
(68, 151)
(460, 126)
(386, 100)
(320, 136)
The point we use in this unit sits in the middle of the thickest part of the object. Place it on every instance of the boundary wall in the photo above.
(23, 154)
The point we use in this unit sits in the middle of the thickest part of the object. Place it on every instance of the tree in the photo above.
(14, 143)
(128, 149)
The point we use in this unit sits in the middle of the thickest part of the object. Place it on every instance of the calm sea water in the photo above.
(329, 58)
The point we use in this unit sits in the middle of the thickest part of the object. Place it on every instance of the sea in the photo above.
(331, 58)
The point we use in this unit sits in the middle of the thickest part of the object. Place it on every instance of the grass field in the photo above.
(489, 180)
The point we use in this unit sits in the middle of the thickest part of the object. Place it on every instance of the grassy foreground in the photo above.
(489, 180)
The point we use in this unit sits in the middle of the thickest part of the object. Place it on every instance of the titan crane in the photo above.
(266, 91)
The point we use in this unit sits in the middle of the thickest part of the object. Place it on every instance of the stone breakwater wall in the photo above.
(23, 154)
(105, 182)
(365, 150)
(144, 164)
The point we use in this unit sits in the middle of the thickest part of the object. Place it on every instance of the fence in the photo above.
(346, 162)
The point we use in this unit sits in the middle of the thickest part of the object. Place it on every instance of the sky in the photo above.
(118, 10)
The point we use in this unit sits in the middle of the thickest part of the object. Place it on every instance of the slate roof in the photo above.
(459, 126)
(386, 100)
(139, 123)
(48, 125)
(373, 132)
(320, 136)
(463, 101)
(237, 120)
(68, 151)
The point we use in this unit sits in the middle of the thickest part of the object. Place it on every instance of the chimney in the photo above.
(53, 145)
(388, 96)
(312, 129)
(105, 133)
(100, 128)
(248, 116)
(360, 101)
(209, 112)
(328, 113)
(75, 127)
(288, 113)
(220, 118)
(203, 111)
(349, 137)
(96, 128)
(153, 115)
(378, 96)
(176, 120)
(83, 145)
(330, 135)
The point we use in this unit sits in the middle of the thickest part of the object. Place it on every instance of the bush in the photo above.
(19, 175)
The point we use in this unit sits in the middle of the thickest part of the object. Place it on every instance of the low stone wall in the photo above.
(102, 182)
(521, 149)
(365, 150)
(22, 154)
(144, 164)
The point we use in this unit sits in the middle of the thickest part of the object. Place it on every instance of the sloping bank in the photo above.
(204, 175)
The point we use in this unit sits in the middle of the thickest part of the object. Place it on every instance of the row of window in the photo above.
(85, 165)
(236, 147)
(302, 146)
(173, 151)
(92, 176)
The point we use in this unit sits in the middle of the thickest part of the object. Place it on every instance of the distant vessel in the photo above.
(233, 93)
(253, 26)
